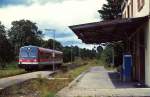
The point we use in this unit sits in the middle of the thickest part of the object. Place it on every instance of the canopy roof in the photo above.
(108, 31)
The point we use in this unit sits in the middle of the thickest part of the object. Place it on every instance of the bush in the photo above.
(106, 56)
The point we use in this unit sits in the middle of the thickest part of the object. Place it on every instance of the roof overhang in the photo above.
(108, 31)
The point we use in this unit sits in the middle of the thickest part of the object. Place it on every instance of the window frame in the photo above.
(140, 4)
(128, 11)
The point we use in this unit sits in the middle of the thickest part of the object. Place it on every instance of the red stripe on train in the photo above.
(28, 60)
(44, 60)
(34, 60)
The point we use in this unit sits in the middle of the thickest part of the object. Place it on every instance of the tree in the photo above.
(111, 10)
(86, 53)
(6, 50)
(107, 54)
(118, 52)
(24, 32)
(49, 44)
(68, 54)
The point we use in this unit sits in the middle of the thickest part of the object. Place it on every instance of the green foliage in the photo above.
(107, 54)
(86, 53)
(67, 53)
(24, 32)
(11, 72)
(49, 44)
(50, 94)
(77, 71)
(70, 53)
(12, 65)
(2, 29)
(118, 52)
(113, 49)
(6, 52)
(111, 10)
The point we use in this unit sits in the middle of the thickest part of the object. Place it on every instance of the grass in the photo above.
(7, 73)
(42, 87)
(11, 70)
(73, 73)
(12, 65)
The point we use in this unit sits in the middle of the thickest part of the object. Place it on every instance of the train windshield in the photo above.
(28, 52)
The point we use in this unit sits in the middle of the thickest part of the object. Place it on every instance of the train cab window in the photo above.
(44, 55)
(28, 52)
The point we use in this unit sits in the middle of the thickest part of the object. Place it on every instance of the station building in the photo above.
(133, 29)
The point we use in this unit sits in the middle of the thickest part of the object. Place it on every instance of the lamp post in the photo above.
(53, 55)
(79, 52)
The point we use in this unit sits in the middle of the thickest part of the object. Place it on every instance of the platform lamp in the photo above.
(53, 55)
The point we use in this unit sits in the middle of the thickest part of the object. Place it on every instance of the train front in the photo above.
(28, 57)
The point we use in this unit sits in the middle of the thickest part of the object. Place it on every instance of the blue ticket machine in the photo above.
(127, 67)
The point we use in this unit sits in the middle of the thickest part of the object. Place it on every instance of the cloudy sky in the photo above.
(53, 14)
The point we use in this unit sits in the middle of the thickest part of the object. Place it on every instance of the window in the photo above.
(140, 4)
(128, 11)
(132, 8)
(28, 52)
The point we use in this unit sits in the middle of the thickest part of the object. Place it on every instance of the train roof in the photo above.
(44, 49)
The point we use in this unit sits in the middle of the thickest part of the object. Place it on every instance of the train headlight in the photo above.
(35, 60)
(20, 60)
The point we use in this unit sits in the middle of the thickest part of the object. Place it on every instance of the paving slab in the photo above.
(97, 83)
(131, 92)
(96, 78)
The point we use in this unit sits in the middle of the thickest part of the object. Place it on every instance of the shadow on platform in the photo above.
(118, 83)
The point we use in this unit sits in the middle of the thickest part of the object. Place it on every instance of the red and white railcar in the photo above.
(33, 57)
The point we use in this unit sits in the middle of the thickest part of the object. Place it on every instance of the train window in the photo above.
(33, 52)
(23, 53)
(45, 55)
(28, 52)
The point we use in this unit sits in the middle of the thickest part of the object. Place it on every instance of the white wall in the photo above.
(147, 55)
(143, 12)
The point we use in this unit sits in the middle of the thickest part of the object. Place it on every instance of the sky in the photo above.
(56, 15)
